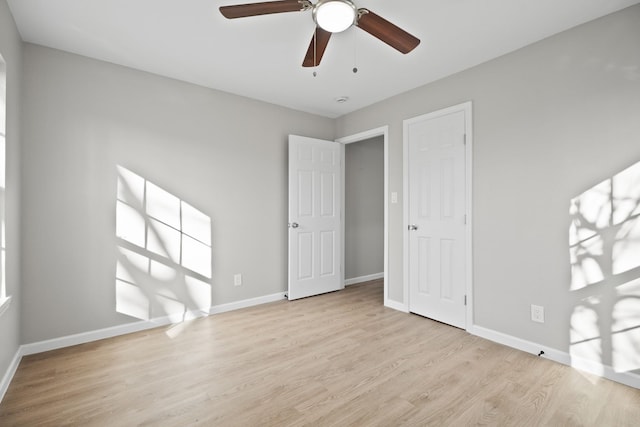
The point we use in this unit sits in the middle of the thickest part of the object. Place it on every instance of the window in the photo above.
(4, 297)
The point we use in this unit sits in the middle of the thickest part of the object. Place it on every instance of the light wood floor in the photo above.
(337, 359)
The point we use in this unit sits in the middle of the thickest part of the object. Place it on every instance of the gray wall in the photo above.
(11, 51)
(364, 208)
(550, 121)
(222, 154)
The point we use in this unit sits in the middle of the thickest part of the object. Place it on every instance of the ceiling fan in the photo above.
(330, 16)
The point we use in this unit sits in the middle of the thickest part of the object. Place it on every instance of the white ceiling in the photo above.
(260, 57)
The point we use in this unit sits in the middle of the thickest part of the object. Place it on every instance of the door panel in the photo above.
(314, 217)
(327, 253)
(305, 193)
(446, 268)
(424, 253)
(305, 260)
(328, 194)
(437, 208)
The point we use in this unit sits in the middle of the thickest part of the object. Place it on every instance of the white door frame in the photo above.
(467, 108)
(372, 133)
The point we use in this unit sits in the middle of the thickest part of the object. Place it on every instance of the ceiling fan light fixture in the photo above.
(335, 16)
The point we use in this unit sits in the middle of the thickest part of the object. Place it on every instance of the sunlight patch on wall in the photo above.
(164, 252)
(626, 193)
(590, 213)
(604, 248)
(626, 327)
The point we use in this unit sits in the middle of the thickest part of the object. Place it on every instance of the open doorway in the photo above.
(365, 212)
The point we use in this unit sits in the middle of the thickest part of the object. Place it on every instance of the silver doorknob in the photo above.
(294, 225)
(412, 227)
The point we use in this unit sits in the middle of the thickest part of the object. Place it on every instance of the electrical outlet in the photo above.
(537, 313)
(237, 279)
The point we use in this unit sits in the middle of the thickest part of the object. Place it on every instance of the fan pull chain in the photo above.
(355, 52)
(315, 49)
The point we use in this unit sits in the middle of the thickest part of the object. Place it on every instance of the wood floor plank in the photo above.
(340, 359)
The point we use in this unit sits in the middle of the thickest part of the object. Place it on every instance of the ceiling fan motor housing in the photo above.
(335, 16)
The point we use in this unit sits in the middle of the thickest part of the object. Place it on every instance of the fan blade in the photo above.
(263, 8)
(392, 35)
(316, 49)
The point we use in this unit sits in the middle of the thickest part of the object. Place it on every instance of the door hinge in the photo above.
(465, 300)
(464, 139)
(465, 219)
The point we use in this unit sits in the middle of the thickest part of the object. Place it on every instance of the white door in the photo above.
(315, 229)
(437, 215)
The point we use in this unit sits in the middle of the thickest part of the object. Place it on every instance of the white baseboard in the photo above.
(592, 367)
(85, 337)
(520, 344)
(222, 308)
(368, 277)
(628, 378)
(8, 376)
(90, 336)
